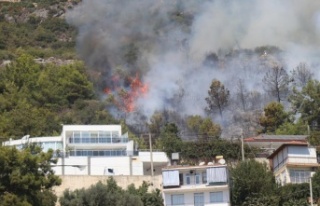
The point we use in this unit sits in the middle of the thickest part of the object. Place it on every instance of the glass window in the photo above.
(115, 134)
(204, 177)
(105, 134)
(198, 178)
(76, 134)
(216, 197)
(198, 199)
(177, 199)
(85, 134)
(95, 153)
(299, 176)
(188, 179)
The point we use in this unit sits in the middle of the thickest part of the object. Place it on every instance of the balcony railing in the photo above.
(296, 160)
(98, 140)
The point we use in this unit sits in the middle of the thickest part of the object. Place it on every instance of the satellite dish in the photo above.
(210, 163)
(222, 161)
(202, 163)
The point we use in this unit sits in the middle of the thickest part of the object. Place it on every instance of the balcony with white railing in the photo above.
(301, 161)
(204, 179)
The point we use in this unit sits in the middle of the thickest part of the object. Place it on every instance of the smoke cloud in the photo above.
(173, 38)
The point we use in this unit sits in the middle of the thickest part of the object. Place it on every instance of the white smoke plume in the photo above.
(174, 37)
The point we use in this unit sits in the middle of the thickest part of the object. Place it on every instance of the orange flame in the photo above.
(125, 99)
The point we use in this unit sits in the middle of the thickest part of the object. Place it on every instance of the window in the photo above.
(198, 178)
(188, 179)
(217, 175)
(204, 177)
(198, 199)
(216, 197)
(299, 176)
(177, 199)
(181, 178)
(170, 178)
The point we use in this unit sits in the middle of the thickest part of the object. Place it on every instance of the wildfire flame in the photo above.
(125, 98)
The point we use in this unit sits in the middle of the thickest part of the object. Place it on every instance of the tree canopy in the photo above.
(109, 193)
(26, 177)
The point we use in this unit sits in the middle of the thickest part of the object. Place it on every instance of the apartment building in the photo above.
(202, 185)
(294, 163)
(96, 150)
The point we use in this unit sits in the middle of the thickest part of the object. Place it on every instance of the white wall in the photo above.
(189, 197)
(120, 165)
(156, 156)
(96, 166)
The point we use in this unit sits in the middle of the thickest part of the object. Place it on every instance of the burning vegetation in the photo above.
(124, 97)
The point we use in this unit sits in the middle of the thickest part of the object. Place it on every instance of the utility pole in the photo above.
(242, 146)
(151, 158)
(311, 195)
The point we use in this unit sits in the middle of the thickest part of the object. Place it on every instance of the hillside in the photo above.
(149, 64)
(37, 28)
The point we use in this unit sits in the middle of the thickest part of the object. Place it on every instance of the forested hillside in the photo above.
(147, 64)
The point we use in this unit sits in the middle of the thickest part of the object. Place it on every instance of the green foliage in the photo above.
(218, 97)
(251, 179)
(109, 193)
(26, 177)
(262, 200)
(294, 194)
(289, 128)
(27, 30)
(196, 151)
(32, 97)
(307, 102)
(203, 128)
(169, 140)
(157, 122)
(274, 116)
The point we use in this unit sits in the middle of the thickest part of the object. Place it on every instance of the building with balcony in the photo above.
(196, 185)
(294, 163)
(96, 150)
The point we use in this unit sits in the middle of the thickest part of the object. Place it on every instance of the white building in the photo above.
(294, 163)
(96, 150)
(196, 185)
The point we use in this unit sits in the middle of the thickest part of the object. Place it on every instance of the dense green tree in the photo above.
(273, 117)
(26, 177)
(218, 98)
(169, 140)
(307, 102)
(157, 122)
(202, 150)
(203, 128)
(33, 96)
(109, 193)
(251, 179)
(290, 128)
(88, 112)
(294, 194)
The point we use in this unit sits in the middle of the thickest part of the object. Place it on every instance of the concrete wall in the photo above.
(189, 197)
(74, 182)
